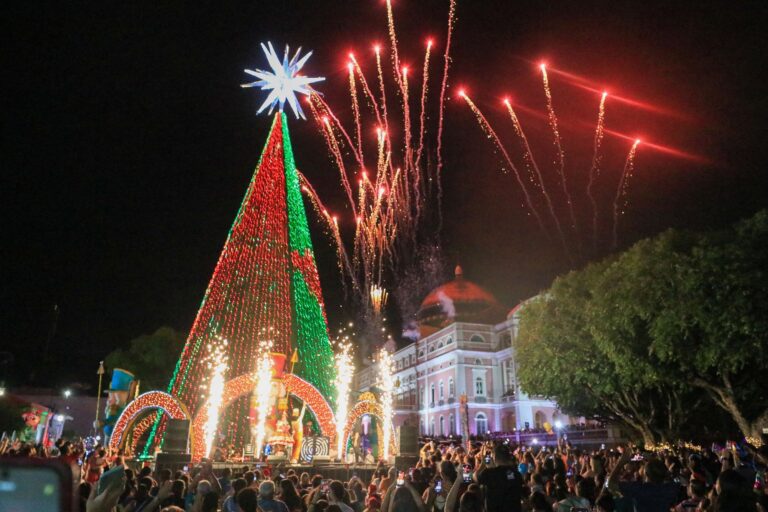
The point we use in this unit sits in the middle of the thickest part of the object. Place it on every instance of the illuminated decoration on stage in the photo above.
(387, 386)
(265, 284)
(372, 408)
(284, 81)
(243, 385)
(264, 369)
(217, 363)
(345, 370)
(315, 446)
(150, 401)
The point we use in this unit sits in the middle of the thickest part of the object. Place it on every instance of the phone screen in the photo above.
(467, 474)
(487, 459)
(400, 478)
(30, 488)
(438, 485)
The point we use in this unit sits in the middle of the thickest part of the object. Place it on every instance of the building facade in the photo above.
(465, 349)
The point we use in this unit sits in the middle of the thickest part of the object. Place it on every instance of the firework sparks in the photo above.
(391, 199)
(530, 161)
(379, 298)
(217, 363)
(345, 370)
(387, 386)
(262, 392)
(443, 87)
(594, 169)
(560, 164)
(491, 133)
(621, 190)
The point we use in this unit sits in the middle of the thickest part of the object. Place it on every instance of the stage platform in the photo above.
(332, 470)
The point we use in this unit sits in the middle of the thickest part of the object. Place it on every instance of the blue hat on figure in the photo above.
(121, 380)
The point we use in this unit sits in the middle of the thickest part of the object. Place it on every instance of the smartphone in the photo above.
(109, 478)
(42, 485)
(186, 469)
(602, 447)
(400, 478)
(467, 474)
(438, 486)
(487, 459)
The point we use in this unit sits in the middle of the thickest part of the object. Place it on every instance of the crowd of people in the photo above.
(481, 477)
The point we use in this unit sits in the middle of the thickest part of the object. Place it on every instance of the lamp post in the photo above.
(100, 373)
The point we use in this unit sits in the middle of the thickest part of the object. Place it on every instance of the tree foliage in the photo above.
(150, 357)
(647, 337)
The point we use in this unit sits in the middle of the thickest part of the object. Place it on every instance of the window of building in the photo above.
(539, 419)
(451, 388)
(432, 393)
(449, 341)
(421, 353)
(439, 345)
(442, 426)
(479, 386)
(442, 390)
(476, 338)
(451, 424)
(481, 423)
(432, 427)
(478, 362)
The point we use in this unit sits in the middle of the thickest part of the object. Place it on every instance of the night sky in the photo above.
(128, 144)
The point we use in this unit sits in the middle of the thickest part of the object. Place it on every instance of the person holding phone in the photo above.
(502, 481)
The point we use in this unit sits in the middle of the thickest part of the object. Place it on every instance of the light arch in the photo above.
(359, 410)
(151, 400)
(244, 384)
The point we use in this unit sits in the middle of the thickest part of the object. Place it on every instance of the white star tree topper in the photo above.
(284, 81)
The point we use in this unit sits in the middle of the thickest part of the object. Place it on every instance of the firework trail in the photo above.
(531, 162)
(621, 191)
(422, 116)
(594, 169)
(491, 133)
(367, 89)
(355, 107)
(393, 44)
(382, 87)
(558, 145)
(443, 87)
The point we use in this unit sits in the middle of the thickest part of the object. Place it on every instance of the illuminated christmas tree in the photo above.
(265, 285)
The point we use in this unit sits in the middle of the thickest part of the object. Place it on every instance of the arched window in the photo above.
(450, 340)
(442, 390)
(476, 338)
(439, 345)
(423, 428)
(481, 423)
(451, 424)
(478, 362)
(539, 419)
(432, 427)
(451, 388)
(479, 386)
(442, 426)
(432, 393)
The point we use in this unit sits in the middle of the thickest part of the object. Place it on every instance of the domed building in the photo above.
(463, 354)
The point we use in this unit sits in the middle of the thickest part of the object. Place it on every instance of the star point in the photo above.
(283, 81)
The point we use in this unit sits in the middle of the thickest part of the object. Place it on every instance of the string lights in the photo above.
(146, 402)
